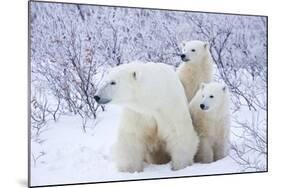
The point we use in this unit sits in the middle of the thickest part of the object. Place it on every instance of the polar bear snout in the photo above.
(101, 100)
(204, 107)
(97, 98)
(184, 57)
(102, 96)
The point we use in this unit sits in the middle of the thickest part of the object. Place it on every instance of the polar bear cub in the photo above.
(197, 66)
(210, 114)
(155, 115)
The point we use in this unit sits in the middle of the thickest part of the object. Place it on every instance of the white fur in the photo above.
(212, 123)
(197, 67)
(155, 116)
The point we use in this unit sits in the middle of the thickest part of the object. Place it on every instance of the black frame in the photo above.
(177, 10)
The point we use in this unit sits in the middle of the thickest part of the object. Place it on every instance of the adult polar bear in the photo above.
(197, 66)
(155, 115)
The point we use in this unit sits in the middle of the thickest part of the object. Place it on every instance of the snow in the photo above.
(73, 156)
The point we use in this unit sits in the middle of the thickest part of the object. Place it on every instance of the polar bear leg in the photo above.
(130, 147)
(220, 151)
(129, 153)
(182, 151)
(205, 152)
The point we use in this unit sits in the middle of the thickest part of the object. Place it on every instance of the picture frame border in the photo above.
(131, 7)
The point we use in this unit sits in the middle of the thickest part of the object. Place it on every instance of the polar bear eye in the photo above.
(112, 83)
(211, 96)
(193, 50)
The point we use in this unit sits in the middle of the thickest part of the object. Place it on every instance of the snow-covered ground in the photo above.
(69, 155)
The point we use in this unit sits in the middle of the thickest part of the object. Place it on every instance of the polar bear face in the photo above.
(119, 87)
(212, 95)
(139, 86)
(194, 51)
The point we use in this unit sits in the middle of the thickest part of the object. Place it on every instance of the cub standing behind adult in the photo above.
(197, 66)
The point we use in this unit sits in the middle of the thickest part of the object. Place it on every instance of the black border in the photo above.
(130, 180)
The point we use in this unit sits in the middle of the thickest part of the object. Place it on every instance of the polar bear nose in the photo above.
(97, 98)
(202, 106)
(183, 56)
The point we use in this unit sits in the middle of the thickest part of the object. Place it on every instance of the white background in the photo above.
(13, 91)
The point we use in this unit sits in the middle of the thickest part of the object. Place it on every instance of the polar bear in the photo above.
(197, 66)
(155, 115)
(209, 110)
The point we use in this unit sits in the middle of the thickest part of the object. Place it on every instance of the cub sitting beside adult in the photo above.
(209, 110)
(155, 116)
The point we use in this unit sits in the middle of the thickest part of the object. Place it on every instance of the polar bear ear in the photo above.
(136, 75)
(224, 88)
(202, 85)
(183, 44)
(206, 45)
